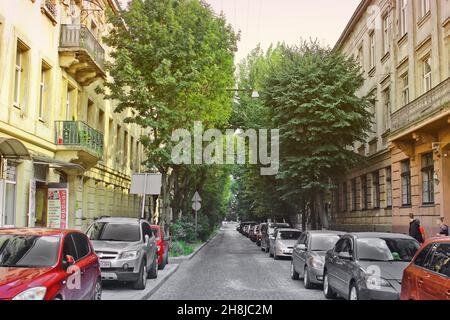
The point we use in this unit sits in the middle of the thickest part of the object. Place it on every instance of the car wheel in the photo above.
(353, 293)
(327, 289)
(153, 273)
(141, 282)
(306, 280)
(294, 274)
(97, 290)
(270, 253)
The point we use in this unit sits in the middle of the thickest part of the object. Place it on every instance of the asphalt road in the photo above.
(231, 267)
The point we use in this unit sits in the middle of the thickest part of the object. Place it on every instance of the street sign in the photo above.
(196, 205)
(196, 197)
(146, 183)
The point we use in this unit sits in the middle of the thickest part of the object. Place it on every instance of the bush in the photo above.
(183, 230)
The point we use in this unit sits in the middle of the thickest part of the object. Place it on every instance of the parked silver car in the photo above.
(368, 265)
(267, 231)
(283, 241)
(308, 257)
(126, 249)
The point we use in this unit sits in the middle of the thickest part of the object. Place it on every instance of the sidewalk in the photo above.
(120, 291)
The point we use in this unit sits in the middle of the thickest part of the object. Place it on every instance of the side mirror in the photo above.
(68, 261)
(147, 238)
(344, 255)
(301, 247)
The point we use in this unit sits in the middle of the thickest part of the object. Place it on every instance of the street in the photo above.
(233, 267)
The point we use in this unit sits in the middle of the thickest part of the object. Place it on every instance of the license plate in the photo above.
(105, 264)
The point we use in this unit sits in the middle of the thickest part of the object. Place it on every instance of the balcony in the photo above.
(430, 104)
(78, 142)
(81, 54)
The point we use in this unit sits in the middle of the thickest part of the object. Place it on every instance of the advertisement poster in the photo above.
(57, 206)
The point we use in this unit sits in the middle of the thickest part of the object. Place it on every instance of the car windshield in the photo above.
(386, 249)
(289, 235)
(122, 232)
(323, 242)
(27, 251)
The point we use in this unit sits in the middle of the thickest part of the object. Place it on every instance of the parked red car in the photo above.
(428, 275)
(48, 264)
(162, 242)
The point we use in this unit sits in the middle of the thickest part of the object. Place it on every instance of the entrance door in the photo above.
(41, 204)
(2, 201)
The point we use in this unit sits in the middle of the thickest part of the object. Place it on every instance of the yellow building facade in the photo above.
(55, 131)
(404, 49)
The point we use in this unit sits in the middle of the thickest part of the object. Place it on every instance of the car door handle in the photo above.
(420, 281)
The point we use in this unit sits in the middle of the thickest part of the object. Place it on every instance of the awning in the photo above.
(68, 167)
(13, 149)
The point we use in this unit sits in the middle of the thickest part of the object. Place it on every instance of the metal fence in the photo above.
(78, 133)
(79, 36)
(430, 102)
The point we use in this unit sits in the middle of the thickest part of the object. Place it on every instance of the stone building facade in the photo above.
(55, 130)
(404, 49)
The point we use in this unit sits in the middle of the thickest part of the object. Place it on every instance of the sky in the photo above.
(271, 21)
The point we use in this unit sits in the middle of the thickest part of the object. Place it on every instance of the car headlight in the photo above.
(36, 293)
(316, 263)
(129, 255)
(376, 282)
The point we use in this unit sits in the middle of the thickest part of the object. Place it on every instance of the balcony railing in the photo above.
(425, 105)
(78, 36)
(79, 134)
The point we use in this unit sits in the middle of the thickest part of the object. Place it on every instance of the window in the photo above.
(376, 189)
(125, 147)
(389, 187)
(427, 178)
(385, 34)
(345, 199)
(406, 182)
(361, 55)
(10, 194)
(387, 109)
(70, 102)
(364, 192)
(91, 113)
(81, 245)
(440, 262)
(101, 121)
(372, 50)
(20, 75)
(424, 7)
(44, 91)
(405, 89)
(403, 17)
(421, 257)
(69, 247)
(354, 200)
(427, 74)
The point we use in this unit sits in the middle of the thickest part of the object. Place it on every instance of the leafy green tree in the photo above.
(171, 63)
(311, 98)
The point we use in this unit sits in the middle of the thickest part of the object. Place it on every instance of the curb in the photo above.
(151, 292)
(189, 257)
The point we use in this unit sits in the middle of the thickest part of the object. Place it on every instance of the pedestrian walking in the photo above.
(414, 228)
(443, 228)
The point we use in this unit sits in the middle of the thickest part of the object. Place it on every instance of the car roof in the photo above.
(380, 235)
(325, 232)
(437, 239)
(37, 231)
(288, 229)
(119, 220)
